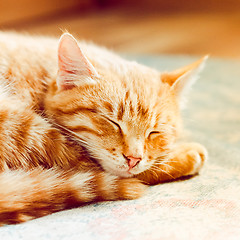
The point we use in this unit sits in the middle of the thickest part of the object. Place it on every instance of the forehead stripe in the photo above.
(121, 110)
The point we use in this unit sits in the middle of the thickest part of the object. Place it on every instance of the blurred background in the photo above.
(188, 27)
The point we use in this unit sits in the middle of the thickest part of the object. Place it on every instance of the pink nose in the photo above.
(132, 161)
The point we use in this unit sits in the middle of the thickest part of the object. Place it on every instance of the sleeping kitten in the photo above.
(80, 124)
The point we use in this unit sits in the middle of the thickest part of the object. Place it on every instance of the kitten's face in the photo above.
(125, 122)
(132, 129)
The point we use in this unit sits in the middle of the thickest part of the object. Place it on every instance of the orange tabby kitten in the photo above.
(80, 124)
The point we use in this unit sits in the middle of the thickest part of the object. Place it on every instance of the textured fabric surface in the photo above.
(204, 207)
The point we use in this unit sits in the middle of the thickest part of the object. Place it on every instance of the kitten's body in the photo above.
(75, 131)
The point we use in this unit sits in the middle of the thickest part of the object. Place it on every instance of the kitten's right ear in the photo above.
(74, 69)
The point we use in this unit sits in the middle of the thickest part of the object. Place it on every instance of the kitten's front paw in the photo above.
(131, 188)
(197, 154)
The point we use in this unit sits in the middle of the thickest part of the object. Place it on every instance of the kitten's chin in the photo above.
(123, 174)
(126, 174)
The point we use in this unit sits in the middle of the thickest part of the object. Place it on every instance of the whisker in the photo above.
(154, 173)
(167, 173)
(70, 133)
(161, 170)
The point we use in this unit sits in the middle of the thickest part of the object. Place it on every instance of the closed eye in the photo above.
(153, 134)
(114, 123)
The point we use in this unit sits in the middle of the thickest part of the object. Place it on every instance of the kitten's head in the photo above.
(125, 114)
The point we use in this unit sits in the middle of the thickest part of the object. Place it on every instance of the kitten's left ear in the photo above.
(182, 79)
(74, 68)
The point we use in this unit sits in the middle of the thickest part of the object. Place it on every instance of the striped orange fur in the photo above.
(80, 124)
